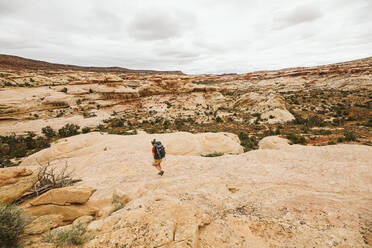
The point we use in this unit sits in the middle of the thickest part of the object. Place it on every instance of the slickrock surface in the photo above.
(278, 196)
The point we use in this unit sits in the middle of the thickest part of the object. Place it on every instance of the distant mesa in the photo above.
(11, 62)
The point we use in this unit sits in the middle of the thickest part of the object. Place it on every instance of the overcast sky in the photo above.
(195, 36)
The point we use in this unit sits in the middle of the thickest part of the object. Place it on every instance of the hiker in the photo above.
(158, 151)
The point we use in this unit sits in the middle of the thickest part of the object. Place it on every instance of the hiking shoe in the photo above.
(161, 173)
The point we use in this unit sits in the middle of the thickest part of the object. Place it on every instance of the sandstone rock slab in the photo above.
(64, 196)
(16, 182)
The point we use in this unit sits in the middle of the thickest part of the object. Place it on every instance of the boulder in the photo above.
(69, 213)
(44, 223)
(14, 183)
(12, 175)
(273, 143)
(64, 196)
(84, 220)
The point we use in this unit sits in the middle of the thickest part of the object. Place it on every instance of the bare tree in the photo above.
(50, 177)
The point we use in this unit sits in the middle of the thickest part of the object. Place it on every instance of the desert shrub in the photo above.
(349, 135)
(205, 82)
(169, 105)
(85, 129)
(60, 113)
(115, 122)
(214, 154)
(74, 236)
(248, 143)
(64, 90)
(298, 118)
(48, 132)
(90, 91)
(277, 130)
(179, 123)
(13, 146)
(296, 138)
(219, 119)
(315, 121)
(5, 162)
(78, 101)
(101, 127)
(166, 124)
(323, 132)
(12, 225)
(68, 130)
(368, 123)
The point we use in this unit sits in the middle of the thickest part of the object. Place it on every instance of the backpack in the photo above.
(159, 150)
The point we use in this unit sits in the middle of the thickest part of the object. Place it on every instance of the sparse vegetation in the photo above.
(13, 146)
(206, 82)
(296, 138)
(64, 90)
(368, 123)
(85, 130)
(349, 135)
(12, 226)
(214, 154)
(48, 132)
(74, 236)
(248, 143)
(68, 130)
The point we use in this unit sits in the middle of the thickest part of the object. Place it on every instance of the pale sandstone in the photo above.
(69, 213)
(12, 175)
(64, 196)
(280, 195)
(43, 224)
(16, 181)
(84, 220)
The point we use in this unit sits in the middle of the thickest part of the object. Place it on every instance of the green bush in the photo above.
(12, 225)
(74, 236)
(166, 124)
(219, 119)
(13, 146)
(68, 130)
(350, 135)
(85, 129)
(115, 122)
(214, 154)
(296, 139)
(48, 132)
(322, 132)
(249, 143)
(368, 123)
(64, 90)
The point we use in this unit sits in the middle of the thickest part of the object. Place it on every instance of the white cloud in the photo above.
(195, 36)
